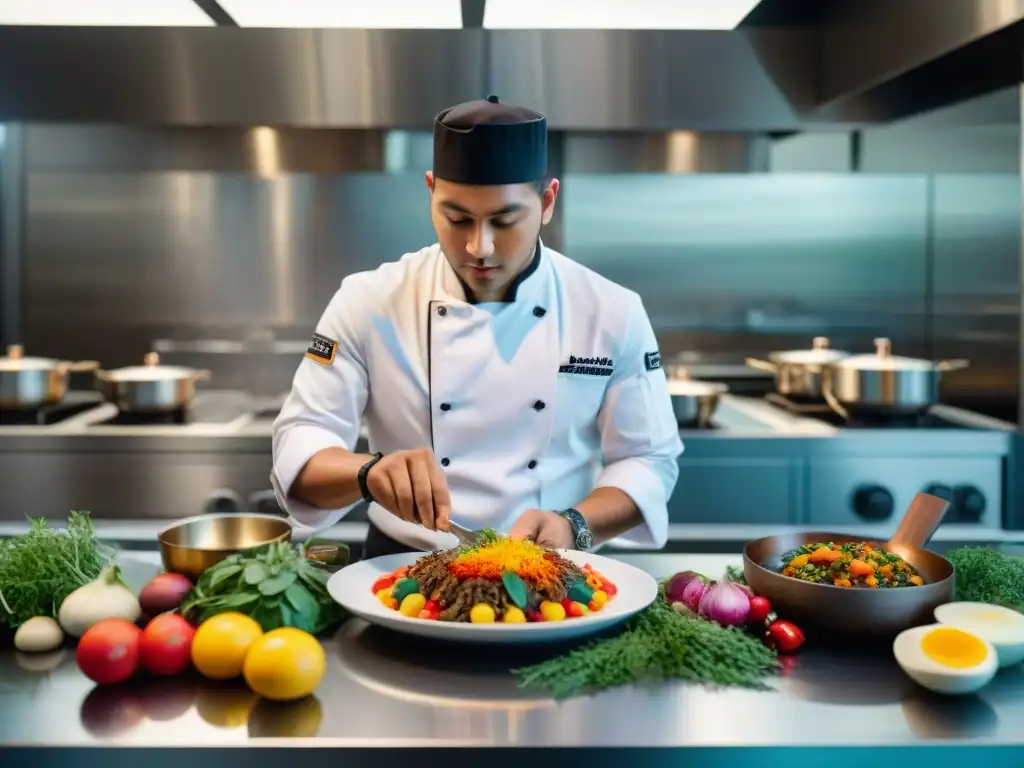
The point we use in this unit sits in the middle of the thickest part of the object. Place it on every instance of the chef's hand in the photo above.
(548, 529)
(411, 485)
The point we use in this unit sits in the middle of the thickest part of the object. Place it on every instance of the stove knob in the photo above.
(265, 503)
(223, 500)
(873, 502)
(969, 503)
(940, 490)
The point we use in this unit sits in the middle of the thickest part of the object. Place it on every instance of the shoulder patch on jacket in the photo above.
(652, 360)
(322, 349)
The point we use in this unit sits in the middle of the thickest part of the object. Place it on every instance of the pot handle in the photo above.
(82, 366)
(829, 394)
(951, 365)
(101, 375)
(762, 365)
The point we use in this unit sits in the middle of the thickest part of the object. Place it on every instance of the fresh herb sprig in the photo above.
(656, 645)
(274, 584)
(988, 576)
(39, 569)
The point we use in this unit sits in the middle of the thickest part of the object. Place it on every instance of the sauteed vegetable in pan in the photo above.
(854, 564)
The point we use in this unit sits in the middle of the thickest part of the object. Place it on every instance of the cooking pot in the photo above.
(798, 371)
(883, 383)
(150, 387)
(27, 383)
(694, 402)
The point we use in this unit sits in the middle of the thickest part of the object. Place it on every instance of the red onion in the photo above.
(678, 583)
(725, 603)
(693, 594)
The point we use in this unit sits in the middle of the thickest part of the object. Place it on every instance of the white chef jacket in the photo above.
(530, 403)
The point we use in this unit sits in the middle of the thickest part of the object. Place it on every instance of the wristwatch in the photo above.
(363, 471)
(581, 534)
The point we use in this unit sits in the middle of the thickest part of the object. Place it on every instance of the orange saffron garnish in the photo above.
(524, 558)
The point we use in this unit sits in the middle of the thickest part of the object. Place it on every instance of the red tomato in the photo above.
(108, 652)
(610, 589)
(759, 608)
(165, 644)
(384, 582)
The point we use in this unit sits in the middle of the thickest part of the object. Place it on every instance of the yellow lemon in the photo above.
(221, 644)
(285, 664)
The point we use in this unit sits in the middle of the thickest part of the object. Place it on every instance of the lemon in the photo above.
(285, 664)
(221, 644)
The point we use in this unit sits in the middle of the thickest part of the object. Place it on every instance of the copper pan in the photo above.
(857, 613)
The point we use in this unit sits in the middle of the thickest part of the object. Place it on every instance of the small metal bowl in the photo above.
(194, 544)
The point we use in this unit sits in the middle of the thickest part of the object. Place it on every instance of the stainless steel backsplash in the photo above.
(120, 252)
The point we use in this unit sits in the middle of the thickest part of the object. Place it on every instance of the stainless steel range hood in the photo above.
(858, 61)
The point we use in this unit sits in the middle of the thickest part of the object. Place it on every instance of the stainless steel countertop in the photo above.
(381, 690)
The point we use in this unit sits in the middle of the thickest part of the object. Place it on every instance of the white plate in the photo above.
(351, 588)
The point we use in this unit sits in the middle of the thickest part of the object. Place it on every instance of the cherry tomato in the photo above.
(610, 589)
(532, 615)
(759, 608)
(384, 582)
(108, 652)
(785, 636)
(166, 645)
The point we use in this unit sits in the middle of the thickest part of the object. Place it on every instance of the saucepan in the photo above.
(694, 402)
(883, 383)
(857, 612)
(798, 371)
(150, 387)
(27, 383)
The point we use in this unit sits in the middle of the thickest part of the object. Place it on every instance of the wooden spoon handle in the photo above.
(923, 517)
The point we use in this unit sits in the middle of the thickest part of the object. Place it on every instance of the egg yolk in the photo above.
(953, 648)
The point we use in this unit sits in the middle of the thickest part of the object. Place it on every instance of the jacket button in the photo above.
(445, 462)
(442, 311)
(539, 311)
(532, 464)
(446, 406)
(539, 405)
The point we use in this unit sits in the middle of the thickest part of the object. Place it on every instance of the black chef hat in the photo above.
(486, 142)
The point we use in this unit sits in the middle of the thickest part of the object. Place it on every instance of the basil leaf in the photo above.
(237, 600)
(254, 573)
(305, 605)
(218, 577)
(277, 584)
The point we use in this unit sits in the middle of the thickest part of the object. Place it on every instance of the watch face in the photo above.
(584, 539)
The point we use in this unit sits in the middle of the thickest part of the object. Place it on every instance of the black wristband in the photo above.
(363, 472)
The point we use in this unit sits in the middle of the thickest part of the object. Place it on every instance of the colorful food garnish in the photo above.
(854, 564)
(498, 580)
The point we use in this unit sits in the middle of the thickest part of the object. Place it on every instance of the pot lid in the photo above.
(820, 353)
(884, 360)
(150, 370)
(16, 361)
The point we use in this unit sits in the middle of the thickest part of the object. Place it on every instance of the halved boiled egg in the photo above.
(1000, 626)
(945, 659)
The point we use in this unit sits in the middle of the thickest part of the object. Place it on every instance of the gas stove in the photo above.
(763, 461)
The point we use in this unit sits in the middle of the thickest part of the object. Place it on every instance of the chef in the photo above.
(502, 385)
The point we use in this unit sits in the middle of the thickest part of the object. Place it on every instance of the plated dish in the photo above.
(849, 564)
(496, 580)
(501, 591)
